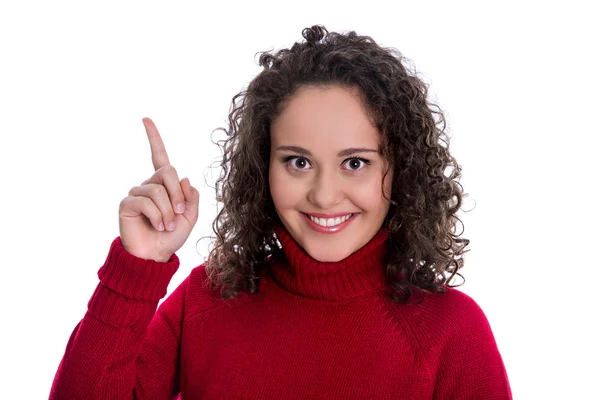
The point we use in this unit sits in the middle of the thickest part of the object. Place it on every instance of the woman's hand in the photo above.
(151, 225)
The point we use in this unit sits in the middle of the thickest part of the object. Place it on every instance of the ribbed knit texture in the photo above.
(315, 331)
(303, 275)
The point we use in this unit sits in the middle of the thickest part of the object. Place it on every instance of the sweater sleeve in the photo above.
(470, 365)
(123, 348)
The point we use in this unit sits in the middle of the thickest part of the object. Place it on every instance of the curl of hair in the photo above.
(425, 251)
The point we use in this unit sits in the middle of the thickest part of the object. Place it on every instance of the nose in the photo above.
(327, 190)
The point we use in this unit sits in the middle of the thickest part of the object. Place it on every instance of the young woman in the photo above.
(334, 252)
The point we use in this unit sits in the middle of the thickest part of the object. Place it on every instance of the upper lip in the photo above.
(334, 215)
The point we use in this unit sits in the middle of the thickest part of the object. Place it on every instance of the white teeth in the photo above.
(329, 222)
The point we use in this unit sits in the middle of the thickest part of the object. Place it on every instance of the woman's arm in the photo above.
(470, 365)
(123, 348)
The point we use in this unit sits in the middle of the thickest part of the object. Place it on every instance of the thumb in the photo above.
(192, 200)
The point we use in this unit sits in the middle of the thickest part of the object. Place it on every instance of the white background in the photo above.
(519, 85)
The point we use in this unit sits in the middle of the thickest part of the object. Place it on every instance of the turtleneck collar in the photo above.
(360, 272)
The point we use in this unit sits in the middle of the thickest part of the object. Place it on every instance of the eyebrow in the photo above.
(343, 153)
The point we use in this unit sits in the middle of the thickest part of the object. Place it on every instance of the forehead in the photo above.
(324, 117)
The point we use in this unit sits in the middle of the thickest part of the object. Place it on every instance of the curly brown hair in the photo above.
(424, 250)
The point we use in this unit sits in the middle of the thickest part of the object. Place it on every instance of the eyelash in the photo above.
(363, 160)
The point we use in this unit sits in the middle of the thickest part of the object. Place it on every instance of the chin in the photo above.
(326, 255)
(325, 248)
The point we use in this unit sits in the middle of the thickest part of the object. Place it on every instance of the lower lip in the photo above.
(329, 229)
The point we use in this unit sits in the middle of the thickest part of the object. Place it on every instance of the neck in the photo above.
(361, 272)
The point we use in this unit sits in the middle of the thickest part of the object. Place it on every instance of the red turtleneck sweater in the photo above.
(315, 331)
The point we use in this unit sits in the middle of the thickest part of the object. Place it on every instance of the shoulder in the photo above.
(456, 341)
(438, 320)
(449, 307)
(461, 348)
(201, 294)
(452, 315)
(455, 309)
(451, 328)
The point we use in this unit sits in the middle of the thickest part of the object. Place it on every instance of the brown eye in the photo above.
(298, 163)
(355, 164)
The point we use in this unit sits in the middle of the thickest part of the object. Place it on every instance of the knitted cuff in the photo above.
(136, 278)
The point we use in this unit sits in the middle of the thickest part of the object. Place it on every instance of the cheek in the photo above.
(366, 195)
(370, 196)
(387, 184)
(279, 186)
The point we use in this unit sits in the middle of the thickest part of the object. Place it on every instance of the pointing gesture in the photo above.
(157, 217)
(157, 147)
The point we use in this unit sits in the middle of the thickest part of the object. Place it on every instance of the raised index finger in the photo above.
(159, 153)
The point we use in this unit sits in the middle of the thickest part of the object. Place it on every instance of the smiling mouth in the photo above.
(329, 222)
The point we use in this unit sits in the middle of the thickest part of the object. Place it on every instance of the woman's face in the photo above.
(326, 172)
